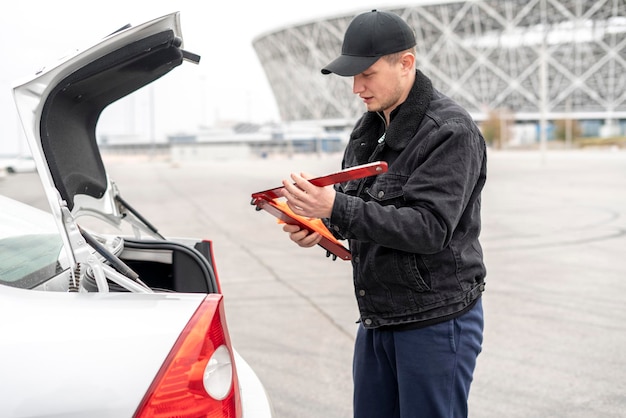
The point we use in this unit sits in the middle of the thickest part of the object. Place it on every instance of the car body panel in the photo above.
(85, 341)
(255, 402)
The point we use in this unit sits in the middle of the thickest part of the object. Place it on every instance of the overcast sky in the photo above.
(229, 83)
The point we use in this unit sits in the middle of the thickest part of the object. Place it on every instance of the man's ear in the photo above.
(407, 61)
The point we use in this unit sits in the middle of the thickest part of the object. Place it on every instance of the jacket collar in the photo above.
(404, 122)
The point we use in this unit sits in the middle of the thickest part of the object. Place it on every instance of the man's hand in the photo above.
(302, 237)
(306, 199)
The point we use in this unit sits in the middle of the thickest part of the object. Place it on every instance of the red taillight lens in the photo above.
(197, 368)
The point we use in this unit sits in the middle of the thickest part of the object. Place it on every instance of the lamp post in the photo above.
(543, 82)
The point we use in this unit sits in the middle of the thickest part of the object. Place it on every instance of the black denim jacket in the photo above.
(414, 230)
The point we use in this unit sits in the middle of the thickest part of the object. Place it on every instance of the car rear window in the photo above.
(29, 260)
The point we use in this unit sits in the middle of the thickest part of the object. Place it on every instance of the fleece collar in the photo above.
(403, 124)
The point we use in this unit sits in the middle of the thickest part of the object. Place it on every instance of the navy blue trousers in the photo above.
(420, 373)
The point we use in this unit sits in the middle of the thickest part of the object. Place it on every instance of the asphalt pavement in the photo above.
(554, 238)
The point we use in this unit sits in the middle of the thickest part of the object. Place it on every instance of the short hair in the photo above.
(395, 57)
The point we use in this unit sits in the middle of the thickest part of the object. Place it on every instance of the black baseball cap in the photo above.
(369, 36)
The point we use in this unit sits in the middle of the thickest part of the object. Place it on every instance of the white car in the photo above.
(18, 164)
(98, 325)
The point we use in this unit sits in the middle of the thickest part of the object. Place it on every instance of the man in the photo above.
(417, 263)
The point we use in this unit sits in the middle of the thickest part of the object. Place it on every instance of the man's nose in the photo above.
(357, 86)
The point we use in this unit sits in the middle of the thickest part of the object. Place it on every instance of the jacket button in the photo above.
(368, 321)
(357, 259)
(381, 194)
(361, 292)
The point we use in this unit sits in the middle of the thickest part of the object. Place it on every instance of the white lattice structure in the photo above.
(532, 57)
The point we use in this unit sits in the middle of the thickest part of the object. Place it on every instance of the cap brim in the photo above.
(347, 65)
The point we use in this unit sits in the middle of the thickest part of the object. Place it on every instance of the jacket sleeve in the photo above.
(417, 206)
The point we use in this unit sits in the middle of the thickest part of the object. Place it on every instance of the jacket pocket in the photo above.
(409, 271)
(387, 189)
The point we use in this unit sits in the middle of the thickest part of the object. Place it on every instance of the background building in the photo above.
(532, 62)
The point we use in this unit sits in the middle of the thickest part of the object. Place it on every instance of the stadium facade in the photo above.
(535, 60)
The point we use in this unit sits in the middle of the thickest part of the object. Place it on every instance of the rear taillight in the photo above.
(198, 378)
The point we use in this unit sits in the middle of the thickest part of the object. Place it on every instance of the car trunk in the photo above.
(166, 265)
